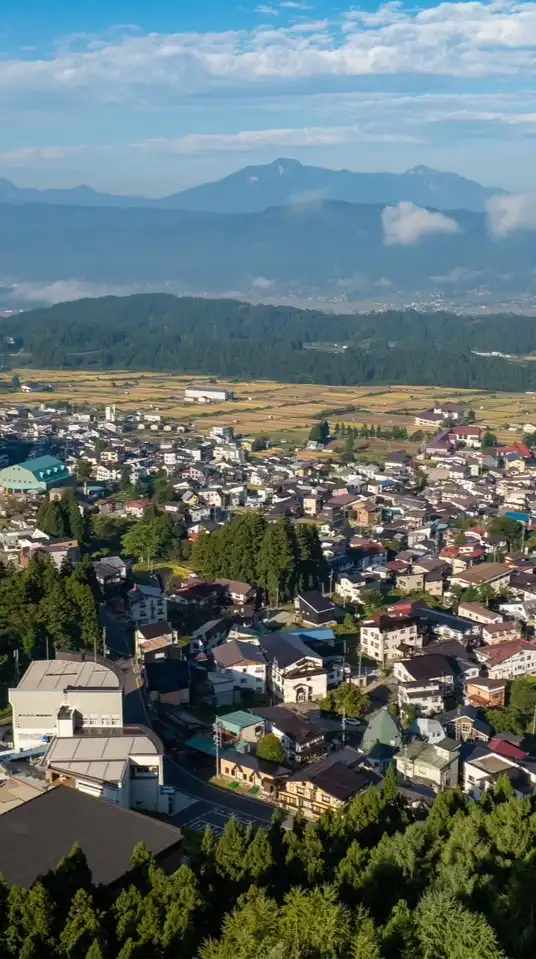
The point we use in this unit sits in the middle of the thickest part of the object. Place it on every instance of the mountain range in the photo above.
(323, 247)
(281, 183)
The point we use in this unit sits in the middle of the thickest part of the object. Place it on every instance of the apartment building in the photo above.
(242, 662)
(383, 637)
(147, 604)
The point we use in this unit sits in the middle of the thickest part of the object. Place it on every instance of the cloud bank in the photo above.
(406, 224)
(509, 214)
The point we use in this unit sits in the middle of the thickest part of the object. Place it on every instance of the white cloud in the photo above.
(294, 5)
(406, 224)
(476, 38)
(509, 214)
(261, 283)
(267, 10)
(62, 291)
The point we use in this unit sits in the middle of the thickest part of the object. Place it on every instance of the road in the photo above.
(201, 804)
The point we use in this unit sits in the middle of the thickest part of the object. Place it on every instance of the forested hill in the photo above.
(232, 339)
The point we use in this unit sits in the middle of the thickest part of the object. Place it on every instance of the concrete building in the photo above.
(147, 604)
(199, 395)
(36, 476)
(381, 638)
(123, 766)
(91, 689)
(296, 674)
(509, 660)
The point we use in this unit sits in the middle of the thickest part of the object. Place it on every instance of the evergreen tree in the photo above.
(82, 928)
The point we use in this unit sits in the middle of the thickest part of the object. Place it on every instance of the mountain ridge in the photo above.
(284, 181)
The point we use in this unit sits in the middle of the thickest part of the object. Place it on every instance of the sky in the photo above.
(153, 96)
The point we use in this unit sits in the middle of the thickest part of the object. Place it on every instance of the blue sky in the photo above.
(151, 97)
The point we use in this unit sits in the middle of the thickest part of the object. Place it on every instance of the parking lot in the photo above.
(200, 815)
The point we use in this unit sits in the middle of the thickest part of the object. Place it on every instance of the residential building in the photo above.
(151, 637)
(314, 608)
(434, 765)
(464, 724)
(507, 632)
(295, 672)
(146, 604)
(327, 785)
(91, 687)
(300, 740)
(261, 776)
(478, 613)
(495, 575)
(382, 728)
(430, 667)
(485, 693)
(425, 696)
(167, 682)
(210, 635)
(385, 637)
(244, 663)
(483, 766)
(111, 571)
(238, 593)
(240, 727)
(509, 660)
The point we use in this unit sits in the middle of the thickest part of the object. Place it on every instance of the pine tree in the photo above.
(82, 927)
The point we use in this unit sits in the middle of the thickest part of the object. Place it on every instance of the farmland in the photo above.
(280, 411)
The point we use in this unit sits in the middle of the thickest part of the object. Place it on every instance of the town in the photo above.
(202, 628)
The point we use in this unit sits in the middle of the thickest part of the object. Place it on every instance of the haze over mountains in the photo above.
(283, 182)
(280, 230)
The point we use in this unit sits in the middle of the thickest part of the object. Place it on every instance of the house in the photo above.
(136, 508)
(424, 695)
(349, 586)
(430, 764)
(505, 632)
(367, 513)
(111, 571)
(315, 609)
(240, 727)
(483, 766)
(124, 765)
(167, 683)
(146, 604)
(151, 637)
(478, 613)
(327, 785)
(397, 460)
(238, 593)
(383, 637)
(383, 729)
(495, 575)
(300, 740)
(59, 551)
(256, 773)
(485, 693)
(36, 835)
(450, 411)
(296, 674)
(470, 435)
(430, 667)
(91, 687)
(244, 662)
(508, 660)
(209, 635)
(464, 724)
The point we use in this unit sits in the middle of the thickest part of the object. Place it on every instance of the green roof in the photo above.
(43, 464)
(382, 728)
(240, 719)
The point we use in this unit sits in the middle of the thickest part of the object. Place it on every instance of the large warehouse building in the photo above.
(35, 476)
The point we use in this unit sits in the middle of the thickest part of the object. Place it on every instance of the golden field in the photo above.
(279, 410)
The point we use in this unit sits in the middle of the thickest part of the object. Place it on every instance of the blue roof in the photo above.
(202, 744)
(43, 464)
(239, 719)
(324, 633)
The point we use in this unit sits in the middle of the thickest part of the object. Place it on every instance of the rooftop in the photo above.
(51, 675)
(32, 841)
(101, 754)
(483, 573)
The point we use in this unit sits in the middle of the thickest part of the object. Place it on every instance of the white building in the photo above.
(92, 690)
(296, 674)
(382, 637)
(123, 766)
(147, 604)
(244, 663)
(509, 660)
(198, 395)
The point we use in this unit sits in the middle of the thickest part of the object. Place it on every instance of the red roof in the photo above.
(466, 430)
(449, 551)
(504, 748)
(495, 655)
(518, 448)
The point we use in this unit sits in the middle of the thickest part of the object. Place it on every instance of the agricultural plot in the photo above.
(280, 411)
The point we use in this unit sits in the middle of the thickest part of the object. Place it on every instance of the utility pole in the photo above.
(534, 721)
(217, 743)
(46, 643)
(104, 646)
(343, 726)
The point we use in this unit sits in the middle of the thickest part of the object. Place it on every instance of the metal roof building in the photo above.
(38, 475)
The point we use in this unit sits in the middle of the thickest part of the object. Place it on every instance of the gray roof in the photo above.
(58, 674)
(382, 728)
(286, 649)
(101, 757)
(233, 652)
(37, 834)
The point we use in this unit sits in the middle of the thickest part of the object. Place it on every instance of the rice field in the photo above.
(281, 411)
